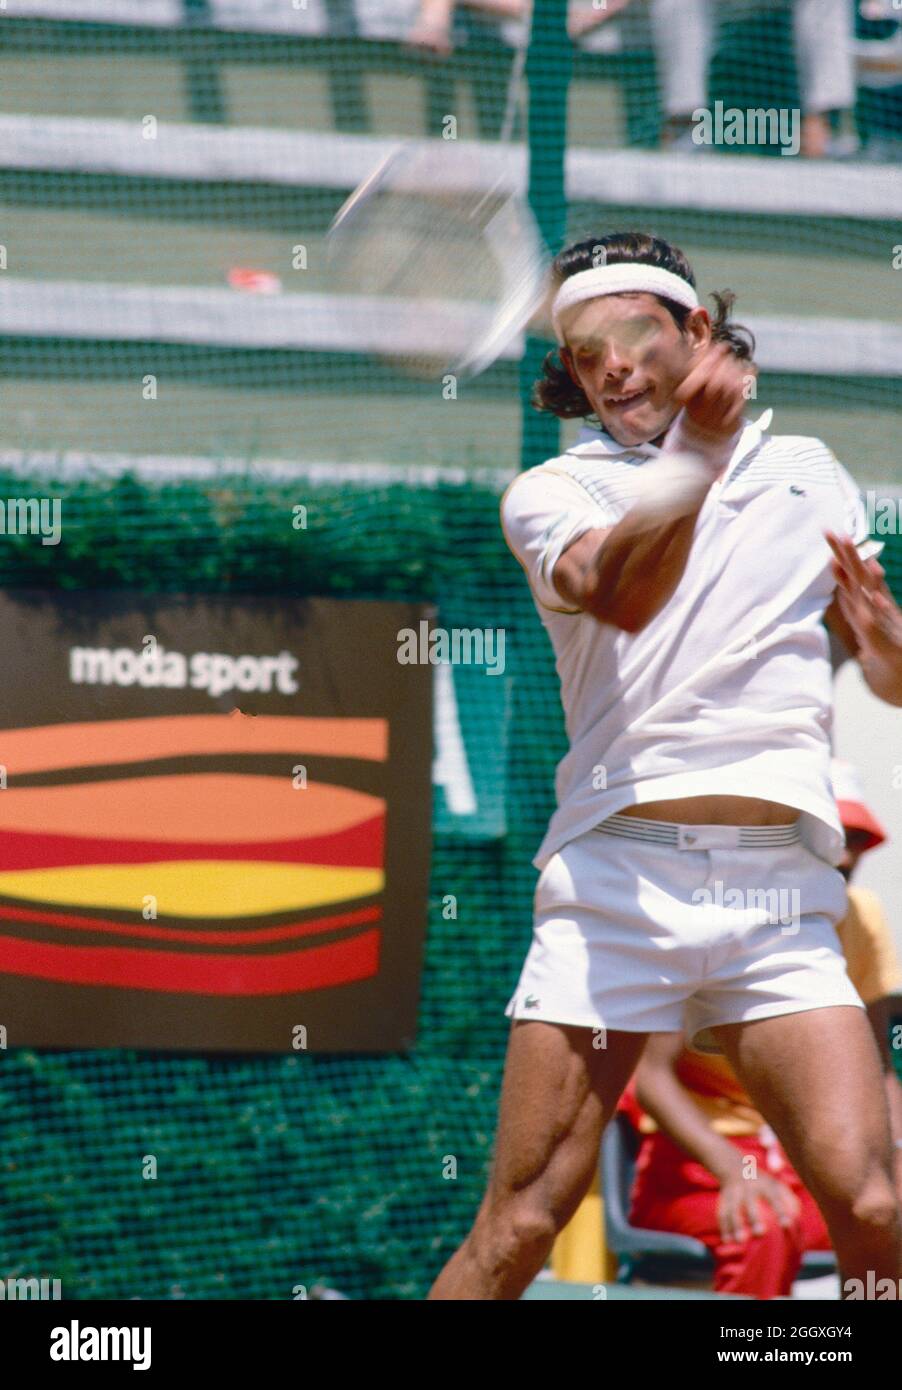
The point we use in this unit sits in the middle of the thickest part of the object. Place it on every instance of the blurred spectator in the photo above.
(700, 1127)
(684, 38)
(478, 26)
(684, 34)
(879, 30)
(433, 26)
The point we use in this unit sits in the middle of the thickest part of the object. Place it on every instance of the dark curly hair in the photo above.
(556, 391)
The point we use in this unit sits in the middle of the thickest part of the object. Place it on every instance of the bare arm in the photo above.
(660, 1092)
(432, 27)
(624, 575)
(435, 16)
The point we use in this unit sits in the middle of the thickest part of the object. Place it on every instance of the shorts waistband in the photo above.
(693, 837)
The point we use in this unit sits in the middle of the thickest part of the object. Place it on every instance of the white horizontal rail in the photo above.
(87, 464)
(703, 181)
(368, 324)
(75, 464)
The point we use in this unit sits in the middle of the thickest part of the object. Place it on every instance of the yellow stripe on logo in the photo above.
(194, 888)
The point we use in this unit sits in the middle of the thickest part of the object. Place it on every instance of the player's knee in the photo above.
(868, 1208)
(875, 1207)
(524, 1226)
(534, 1226)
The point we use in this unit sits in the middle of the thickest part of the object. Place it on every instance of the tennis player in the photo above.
(677, 558)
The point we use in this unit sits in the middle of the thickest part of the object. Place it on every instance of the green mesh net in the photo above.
(279, 1172)
(166, 183)
(162, 173)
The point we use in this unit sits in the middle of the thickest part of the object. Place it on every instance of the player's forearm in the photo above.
(875, 639)
(641, 562)
(675, 1112)
(637, 569)
(883, 676)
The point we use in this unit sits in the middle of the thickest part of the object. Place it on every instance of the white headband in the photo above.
(628, 277)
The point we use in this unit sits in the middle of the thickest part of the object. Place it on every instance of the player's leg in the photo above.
(560, 1089)
(816, 1077)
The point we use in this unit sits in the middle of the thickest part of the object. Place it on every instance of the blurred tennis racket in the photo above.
(438, 252)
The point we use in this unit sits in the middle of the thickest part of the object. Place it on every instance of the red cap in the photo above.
(853, 811)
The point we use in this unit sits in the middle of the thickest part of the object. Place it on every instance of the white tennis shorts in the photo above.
(648, 926)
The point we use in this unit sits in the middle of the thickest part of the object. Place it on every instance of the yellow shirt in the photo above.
(873, 967)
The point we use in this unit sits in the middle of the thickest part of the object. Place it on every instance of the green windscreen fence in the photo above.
(363, 1172)
(175, 366)
(274, 1172)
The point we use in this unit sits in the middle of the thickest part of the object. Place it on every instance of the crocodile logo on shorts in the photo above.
(531, 1002)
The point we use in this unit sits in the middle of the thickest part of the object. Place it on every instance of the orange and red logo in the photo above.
(115, 871)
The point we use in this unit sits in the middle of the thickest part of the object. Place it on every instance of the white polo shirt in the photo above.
(728, 689)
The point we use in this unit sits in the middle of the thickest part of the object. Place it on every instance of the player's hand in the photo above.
(873, 615)
(866, 602)
(714, 393)
(738, 1210)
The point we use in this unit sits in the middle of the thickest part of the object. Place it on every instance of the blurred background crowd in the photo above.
(847, 58)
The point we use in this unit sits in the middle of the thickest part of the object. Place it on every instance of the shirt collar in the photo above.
(594, 442)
